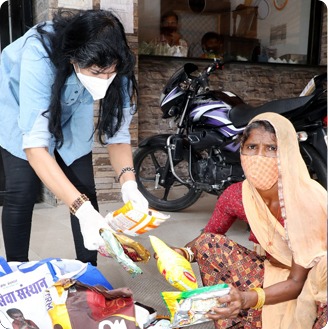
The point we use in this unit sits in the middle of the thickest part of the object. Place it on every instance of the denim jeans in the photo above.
(22, 186)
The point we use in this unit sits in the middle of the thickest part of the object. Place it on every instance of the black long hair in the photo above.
(92, 37)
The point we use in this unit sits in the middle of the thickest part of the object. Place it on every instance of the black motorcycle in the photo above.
(172, 170)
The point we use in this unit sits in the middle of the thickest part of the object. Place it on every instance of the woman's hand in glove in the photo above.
(91, 222)
(131, 193)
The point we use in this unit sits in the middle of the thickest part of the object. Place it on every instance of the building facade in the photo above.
(256, 83)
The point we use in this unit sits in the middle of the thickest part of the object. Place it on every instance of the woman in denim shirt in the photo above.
(49, 80)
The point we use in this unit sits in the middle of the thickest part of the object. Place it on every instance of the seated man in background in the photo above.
(170, 42)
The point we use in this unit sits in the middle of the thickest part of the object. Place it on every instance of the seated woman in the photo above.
(286, 210)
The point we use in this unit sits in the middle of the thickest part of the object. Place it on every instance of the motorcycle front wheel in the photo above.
(158, 184)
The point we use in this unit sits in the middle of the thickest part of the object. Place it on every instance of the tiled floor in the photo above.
(51, 237)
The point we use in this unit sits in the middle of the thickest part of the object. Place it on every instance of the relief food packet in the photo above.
(114, 249)
(135, 250)
(174, 267)
(189, 307)
(133, 222)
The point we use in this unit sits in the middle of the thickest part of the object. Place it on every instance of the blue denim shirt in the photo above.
(26, 78)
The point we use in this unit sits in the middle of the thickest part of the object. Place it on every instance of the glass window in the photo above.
(274, 31)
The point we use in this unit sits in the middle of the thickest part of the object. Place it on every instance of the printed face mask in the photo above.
(260, 171)
(96, 87)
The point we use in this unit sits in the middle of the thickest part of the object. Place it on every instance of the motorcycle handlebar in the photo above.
(203, 78)
(216, 65)
(195, 82)
(203, 81)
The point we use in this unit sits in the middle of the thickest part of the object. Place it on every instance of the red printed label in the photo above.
(189, 276)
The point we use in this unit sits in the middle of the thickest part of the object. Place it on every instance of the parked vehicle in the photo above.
(173, 170)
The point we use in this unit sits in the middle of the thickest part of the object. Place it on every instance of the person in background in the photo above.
(19, 320)
(171, 42)
(285, 286)
(49, 80)
(212, 45)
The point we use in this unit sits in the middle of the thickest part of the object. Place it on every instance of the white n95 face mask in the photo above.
(97, 87)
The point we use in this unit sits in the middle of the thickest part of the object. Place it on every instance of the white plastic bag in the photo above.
(22, 288)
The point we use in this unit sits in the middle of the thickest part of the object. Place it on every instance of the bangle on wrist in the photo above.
(185, 254)
(260, 298)
(189, 255)
(78, 203)
(124, 170)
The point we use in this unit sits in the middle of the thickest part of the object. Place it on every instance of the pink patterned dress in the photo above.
(222, 260)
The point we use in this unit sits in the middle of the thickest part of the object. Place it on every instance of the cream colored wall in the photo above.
(150, 11)
(296, 16)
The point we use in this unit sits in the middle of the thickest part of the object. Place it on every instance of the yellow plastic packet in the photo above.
(174, 267)
(134, 222)
(190, 307)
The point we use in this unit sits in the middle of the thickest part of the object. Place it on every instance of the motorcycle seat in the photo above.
(241, 114)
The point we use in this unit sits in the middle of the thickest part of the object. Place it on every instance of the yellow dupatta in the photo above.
(303, 204)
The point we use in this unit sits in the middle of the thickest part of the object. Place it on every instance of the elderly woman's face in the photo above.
(260, 142)
(259, 159)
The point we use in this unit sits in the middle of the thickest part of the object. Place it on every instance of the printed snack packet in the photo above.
(133, 222)
(174, 267)
(133, 249)
(114, 249)
(189, 307)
